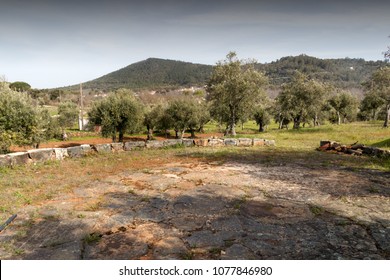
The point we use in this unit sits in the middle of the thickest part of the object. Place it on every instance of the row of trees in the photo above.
(24, 122)
(236, 93)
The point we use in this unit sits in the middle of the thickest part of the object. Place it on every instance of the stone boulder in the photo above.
(215, 142)
(5, 161)
(60, 153)
(201, 142)
(117, 147)
(269, 142)
(19, 158)
(172, 142)
(230, 142)
(188, 142)
(131, 145)
(154, 144)
(102, 148)
(41, 155)
(244, 142)
(79, 151)
(258, 142)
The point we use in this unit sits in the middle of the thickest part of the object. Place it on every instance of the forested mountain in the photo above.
(153, 73)
(156, 73)
(345, 73)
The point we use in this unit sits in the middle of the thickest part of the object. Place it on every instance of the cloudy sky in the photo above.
(59, 43)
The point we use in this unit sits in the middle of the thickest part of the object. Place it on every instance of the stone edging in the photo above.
(42, 155)
(354, 149)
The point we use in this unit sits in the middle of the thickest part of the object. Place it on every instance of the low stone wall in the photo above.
(354, 149)
(42, 155)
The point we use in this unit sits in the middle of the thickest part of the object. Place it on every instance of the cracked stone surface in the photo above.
(232, 210)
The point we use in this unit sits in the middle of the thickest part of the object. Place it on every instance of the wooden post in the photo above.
(81, 108)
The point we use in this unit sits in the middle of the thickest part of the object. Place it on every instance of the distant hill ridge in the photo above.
(155, 73)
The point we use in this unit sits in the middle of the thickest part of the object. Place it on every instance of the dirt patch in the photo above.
(192, 207)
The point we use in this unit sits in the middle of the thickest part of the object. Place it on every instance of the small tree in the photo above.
(184, 114)
(370, 106)
(118, 113)
(68, 115)
(20, 86)
(301, 100)
(344, 105)
(233, 88)
(152, 118)
(380, 86)
(21, 121)
(262, 115)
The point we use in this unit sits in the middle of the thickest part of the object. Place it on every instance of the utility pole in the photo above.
(81, 124)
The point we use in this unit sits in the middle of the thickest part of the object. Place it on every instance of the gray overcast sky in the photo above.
(59, 43)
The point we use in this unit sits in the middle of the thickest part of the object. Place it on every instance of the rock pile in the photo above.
(353, 149)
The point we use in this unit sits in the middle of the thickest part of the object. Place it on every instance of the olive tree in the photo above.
(68, 115)
(22, 122)
(119, 113)
(233, 88)
(301, 99)
(380, 86)
(344, 105)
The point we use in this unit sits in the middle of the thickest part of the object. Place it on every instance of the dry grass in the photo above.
(35, 184)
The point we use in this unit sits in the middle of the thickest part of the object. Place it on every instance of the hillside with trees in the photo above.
(154, 73)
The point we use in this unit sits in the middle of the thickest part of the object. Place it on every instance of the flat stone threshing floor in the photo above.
(212, 210)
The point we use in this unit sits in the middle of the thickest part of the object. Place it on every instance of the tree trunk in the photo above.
(315, 120)
(297, 122)
(281, 123)
(261, 127)
(386, 124)
(150, 133)
(177, 134)
(121, 134)
(182, 133)
(192, 133)
(232, 122)
(338, 118)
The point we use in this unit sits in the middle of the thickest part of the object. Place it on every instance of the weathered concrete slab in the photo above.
(230, 142)
(172, 142)
(154, 144)
(244, 142)
(41, 155)
(128, 146)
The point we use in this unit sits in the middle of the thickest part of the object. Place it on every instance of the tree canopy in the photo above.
(234, 88)
(119, 113)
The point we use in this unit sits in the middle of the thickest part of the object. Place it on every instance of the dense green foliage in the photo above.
(234, 88)
(119, 113)
(68, 114)
(301, 100)
(379, 87)
(343, 73)
(20, 86)
(21, 121)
